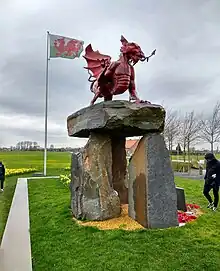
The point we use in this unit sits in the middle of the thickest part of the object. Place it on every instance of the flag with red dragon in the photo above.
(65, 47)
(113, 78)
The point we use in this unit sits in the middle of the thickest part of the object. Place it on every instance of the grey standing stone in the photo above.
(152, 192)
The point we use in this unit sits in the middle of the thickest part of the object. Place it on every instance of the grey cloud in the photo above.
(183, 72)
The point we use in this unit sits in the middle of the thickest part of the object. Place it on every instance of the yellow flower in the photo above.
(65, 179)
(18, 171)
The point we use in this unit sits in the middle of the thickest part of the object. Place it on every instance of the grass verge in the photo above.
(5, 201)
(7, 196)
(60, 244)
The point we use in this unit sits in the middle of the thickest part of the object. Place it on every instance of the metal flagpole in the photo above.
(46, 106)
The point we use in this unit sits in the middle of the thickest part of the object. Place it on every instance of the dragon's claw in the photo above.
(145, 102)
(137, 101)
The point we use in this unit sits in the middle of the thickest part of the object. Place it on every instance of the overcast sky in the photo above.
(184, 74)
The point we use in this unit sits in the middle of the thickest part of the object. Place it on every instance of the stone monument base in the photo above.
(99, 171)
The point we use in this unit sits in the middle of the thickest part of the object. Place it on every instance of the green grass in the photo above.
(59, 244)
(5, 202)
(21, 159)
(55, 164)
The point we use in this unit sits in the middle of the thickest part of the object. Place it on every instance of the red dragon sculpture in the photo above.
(113, 78)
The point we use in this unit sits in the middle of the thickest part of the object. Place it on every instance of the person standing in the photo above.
(2, 175)
(212, 180)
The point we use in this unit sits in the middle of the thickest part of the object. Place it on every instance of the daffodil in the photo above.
(18, 171)
(65, 179)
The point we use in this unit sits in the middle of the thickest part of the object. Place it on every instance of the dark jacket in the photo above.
(2, 171)
(212, 167)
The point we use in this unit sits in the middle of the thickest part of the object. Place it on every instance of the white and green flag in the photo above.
(65, 47)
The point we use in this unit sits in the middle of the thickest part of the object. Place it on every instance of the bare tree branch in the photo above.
(210, 131)
(189, 132)
(171, 129)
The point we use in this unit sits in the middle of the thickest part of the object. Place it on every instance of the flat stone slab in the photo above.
(117, 118)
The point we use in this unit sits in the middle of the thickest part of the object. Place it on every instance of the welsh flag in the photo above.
(65, 47)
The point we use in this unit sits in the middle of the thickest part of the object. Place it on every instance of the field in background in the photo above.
(35, 159)
(178, 163)
(192, 157)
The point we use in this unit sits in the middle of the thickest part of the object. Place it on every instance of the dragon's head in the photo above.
(132, 51)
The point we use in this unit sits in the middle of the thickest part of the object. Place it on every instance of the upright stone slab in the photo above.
(92, 193)
(152, 192)
(181, 201)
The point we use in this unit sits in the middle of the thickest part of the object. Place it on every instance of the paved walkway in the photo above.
(187, 176)
(15, 251)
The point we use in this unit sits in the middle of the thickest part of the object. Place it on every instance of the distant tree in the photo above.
(171, 128)
(22, 145)
(27, 145)
(210, 130)
(31, 145)
(18, 146)
(35, 145)
(190, 128)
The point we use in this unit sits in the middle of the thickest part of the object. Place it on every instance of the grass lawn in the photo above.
(59, 244)
(55, 164)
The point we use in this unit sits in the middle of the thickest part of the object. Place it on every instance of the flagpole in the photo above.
(46, 107)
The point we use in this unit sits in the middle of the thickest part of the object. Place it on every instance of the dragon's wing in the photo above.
(96, 62)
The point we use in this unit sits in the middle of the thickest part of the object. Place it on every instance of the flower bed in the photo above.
(18, 171)
(190, 215)
(65, 179)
